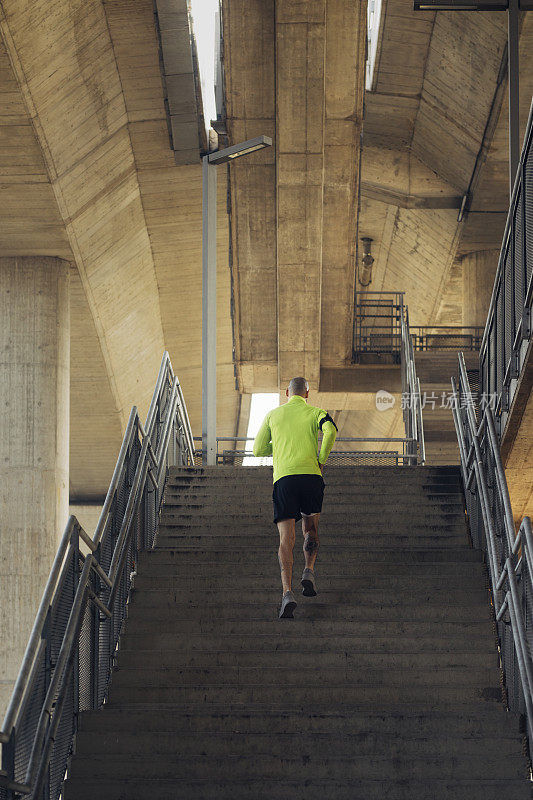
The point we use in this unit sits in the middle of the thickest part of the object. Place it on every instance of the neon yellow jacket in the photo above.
(290, 434)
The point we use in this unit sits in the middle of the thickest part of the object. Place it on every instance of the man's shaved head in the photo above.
(298, 386)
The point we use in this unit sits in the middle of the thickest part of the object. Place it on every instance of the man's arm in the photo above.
(263, 443)
(329, 434)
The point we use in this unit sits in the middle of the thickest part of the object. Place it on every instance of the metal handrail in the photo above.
(509, 555)
(508, 329)
(93, 590)
(400, 344)
(413, 419)
(446, 337)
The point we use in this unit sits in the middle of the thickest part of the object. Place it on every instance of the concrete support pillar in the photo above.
(34, 442)
(479, 269)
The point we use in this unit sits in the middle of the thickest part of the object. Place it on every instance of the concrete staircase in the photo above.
(386, 685)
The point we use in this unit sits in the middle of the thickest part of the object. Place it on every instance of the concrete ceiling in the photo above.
(436, 81)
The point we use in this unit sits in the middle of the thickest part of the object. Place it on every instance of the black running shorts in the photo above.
(295, 495)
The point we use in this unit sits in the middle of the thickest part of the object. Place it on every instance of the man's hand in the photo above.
(321, 467)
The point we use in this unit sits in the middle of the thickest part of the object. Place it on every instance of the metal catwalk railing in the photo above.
(377, 324)
(446, 337)
(508, 329)
(353, 451)
(368, 450)
(70, 654)
(377, 329)
(411, 399)
(509, 555)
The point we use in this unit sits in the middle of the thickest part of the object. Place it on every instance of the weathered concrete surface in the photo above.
(95, 424)
(88, 174)
(34, 428)
(64, 62)
(479, 269)
(251, 111)
(302, 68)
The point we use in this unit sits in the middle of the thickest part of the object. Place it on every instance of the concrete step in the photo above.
(270, 593)
(261, 470)
(194, 646)
(303, 743)
(317, 609)
(308, 762)
(221, 579)
(298, 789)
(178, 563)
(348, 545)
(370, 484)
(267, 789)
(446, 504)
(352, 557)
(349, 675)
(167, 659)
(412, 725)
(344, 486)
(332, 519)
(318, 697)
(336, 494)
(216, 517)
(308, 625)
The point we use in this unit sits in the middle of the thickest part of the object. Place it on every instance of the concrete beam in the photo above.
(188, 136)
(249, 70)
(397, 177)
(300, 118)
(66, 68)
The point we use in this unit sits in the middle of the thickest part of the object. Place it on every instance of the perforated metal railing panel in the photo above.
(513, 294)
(362, 458)
(519, 254)
(32, 711)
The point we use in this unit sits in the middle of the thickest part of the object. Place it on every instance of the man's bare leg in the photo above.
(310, 533)
(286, 546)
(311, 543)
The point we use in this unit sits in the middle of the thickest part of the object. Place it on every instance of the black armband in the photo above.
(327, 418)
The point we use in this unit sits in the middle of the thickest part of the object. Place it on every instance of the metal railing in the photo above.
(237, 450)
(377, 324)
(68, 661)
(509, 556)
(409, 449)
(446, 337)
(411, 399)
(508, 329)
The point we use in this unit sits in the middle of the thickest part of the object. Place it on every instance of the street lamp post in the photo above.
(209, 285)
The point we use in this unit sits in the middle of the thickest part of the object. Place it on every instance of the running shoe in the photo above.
(288, 604)
(308, 583)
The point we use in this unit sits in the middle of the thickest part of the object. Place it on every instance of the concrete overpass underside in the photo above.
(88, 175)
(432, 131)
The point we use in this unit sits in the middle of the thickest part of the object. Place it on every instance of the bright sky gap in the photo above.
(374, 20)
(203, 17)
(261, 404)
